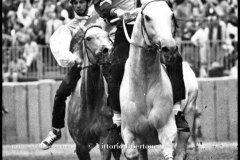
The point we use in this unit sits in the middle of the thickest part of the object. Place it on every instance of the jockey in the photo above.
(60, 47)
(109, 9)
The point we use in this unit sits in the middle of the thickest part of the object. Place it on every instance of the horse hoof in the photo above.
(181, 157)
(131, 154)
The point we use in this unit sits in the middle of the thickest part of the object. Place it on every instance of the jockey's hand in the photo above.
(126, 15)
(79, 61)
(121, 13)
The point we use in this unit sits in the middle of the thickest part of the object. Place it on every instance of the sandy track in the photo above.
(207, 150)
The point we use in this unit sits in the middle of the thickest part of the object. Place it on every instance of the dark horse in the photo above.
(89, 117)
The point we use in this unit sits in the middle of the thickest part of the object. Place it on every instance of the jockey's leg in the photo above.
(116, 72)
(120, 55)
(175, 73)
(65, 89)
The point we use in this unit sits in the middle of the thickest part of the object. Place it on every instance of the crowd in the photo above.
(210, 25)
(35, 18)
(26, 25)
(29, 23)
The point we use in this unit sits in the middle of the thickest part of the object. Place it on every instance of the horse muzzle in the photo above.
(169, 56)
(105, 55)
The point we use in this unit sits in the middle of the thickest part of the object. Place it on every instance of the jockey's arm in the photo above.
(107, 11)
(60, 47)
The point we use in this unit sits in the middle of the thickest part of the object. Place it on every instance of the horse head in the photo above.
(93, 45)
(158, 27)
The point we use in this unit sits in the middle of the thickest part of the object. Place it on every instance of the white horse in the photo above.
(146, 96)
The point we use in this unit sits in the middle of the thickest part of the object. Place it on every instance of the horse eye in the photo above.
(88, 38)
(147, 18)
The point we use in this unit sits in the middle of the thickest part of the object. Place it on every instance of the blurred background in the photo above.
(207, 37)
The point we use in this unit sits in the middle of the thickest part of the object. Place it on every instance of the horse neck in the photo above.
(143, 63)
(93, 87)
(92, 75)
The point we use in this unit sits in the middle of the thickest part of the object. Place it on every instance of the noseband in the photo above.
(88, 49)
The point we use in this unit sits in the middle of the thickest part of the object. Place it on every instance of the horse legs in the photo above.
(167, 135)
(130, 150)
(143, 155)
(104, 149)
(117, 153)
(83, 152)
(182, 140)
(181, 149)
(143, 152)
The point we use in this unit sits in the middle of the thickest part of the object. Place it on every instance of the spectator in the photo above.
(216, 28)
(183, 11)
(10, 20)
(17, 69)
(4, 19)
(232, 23)
(18, 34)
(25, 13)
(6, 6)
(200, 39)
(65, 5)
(217, 34)
(196, 8)
(52, 25)
(38, 5)
(6, 39)
(39, 28)
(203, 71)
(64, 15)
(31, 51)
(188, 31)
(234, 70)
(49, 8)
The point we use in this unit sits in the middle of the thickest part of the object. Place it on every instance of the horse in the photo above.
(146, 97)
(89, 117)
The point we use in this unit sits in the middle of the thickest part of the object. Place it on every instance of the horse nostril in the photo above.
(165, 49)
(105, 50)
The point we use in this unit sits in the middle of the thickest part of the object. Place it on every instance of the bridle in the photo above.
(153, 46)
(89, 51)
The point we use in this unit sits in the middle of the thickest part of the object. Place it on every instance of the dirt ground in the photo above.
(207, 151)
